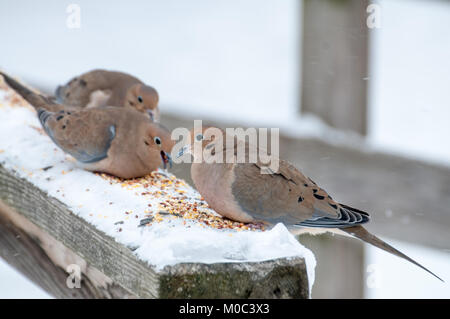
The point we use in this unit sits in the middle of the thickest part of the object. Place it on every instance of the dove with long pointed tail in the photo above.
(238, 190)
(113, 140)
(109, 88)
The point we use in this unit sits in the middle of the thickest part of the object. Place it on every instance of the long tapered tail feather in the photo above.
(36, 100)
(361, 233)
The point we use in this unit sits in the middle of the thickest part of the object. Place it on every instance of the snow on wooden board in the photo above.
(162, 218)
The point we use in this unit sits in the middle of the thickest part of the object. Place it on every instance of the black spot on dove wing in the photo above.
(86, 136)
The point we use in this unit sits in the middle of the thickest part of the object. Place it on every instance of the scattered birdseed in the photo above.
(176, 201)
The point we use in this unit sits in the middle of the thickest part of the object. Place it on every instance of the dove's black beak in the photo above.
(166, 158)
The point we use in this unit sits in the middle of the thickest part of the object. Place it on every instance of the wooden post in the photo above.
(334, 66)
(340, 266)
(334, 88)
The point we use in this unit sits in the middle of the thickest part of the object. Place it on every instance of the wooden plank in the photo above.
(408, 199)
(54, 218)
(280, 278)
(334, 62)
(44, 260)
(40, 237)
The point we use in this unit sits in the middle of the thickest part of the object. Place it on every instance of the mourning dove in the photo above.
(113, 140)
(241, 192)
(109, 88)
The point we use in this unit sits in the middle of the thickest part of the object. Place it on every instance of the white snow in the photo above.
(409, 79)
(412, 282)
(14, 284)
(26, 151)
(222, 56)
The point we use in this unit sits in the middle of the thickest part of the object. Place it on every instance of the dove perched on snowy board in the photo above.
(114, 140)
(109, 88)
(241, 192)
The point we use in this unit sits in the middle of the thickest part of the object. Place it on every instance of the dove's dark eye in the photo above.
(140, 99)
(199, 137)
(157, 140)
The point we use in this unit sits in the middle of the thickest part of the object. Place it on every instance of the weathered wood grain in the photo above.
(40, 236)
(44, 260)
(280, 278)
(101, 251)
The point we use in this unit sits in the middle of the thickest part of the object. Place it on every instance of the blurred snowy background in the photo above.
(239, 61)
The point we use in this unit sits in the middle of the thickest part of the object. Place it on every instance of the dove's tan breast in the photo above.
(214, 182)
